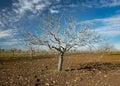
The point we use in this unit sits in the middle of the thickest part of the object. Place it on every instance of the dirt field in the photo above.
(78, 70)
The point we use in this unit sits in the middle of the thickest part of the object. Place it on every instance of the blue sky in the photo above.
(16, 15)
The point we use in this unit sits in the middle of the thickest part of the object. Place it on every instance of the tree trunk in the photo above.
(31, 51)
(13, 53)
(60, 61)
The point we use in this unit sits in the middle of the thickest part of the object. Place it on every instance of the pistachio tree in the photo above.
(62, 34)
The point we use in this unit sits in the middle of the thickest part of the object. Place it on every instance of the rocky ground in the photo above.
(76, 72)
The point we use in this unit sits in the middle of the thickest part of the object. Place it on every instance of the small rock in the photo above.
(47, 84)
(105, 75)
(75, 80)
(105, 83)
(94, 69)
(53, 81)
(11, 82)
(20, 77)
(26, 79)
(67, 82)
(99, 72)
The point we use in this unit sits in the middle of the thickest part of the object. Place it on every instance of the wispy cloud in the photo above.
(7, 43)
(100, 3)
(53, 11)
(12, 43)
(84, 4)
(33, 6)
(109, 26)
(7, 40)
(21, 8)
(7, 33)
(88, 3)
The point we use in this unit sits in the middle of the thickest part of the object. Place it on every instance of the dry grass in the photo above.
(9, 56)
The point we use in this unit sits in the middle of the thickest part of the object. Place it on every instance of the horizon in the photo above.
(15, 16)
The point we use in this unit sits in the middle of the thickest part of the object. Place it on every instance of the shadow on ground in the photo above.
(96, 66)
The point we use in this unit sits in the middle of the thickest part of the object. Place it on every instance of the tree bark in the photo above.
(60, 61)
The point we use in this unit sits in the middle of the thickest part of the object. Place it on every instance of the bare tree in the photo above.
(31, 51)
(62, 34)
(26, 43)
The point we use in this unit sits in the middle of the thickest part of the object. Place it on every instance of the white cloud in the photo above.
(33, 6)
(7, 43)
(11, 42)
(111, 32)
(8, 18)
(22, 7)
(53, 11)
(109, 26)
(113, 3)
(9, 38)
(100, 3)
(7, 33)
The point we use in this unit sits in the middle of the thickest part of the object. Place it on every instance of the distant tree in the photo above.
(26, 43)
(31, 51)
(2, 50)
(19, 50)
(62, 34)
(106, 48)
(13, 50)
